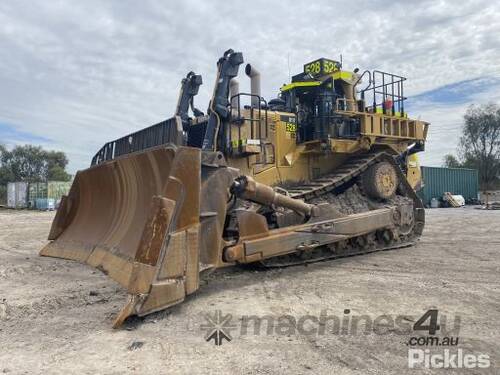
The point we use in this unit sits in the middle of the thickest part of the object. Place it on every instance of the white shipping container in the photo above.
(11, 195)
(17, 194)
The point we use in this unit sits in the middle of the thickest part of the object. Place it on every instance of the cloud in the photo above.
(83, 73)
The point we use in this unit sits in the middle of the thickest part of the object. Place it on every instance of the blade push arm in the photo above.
(189, 89)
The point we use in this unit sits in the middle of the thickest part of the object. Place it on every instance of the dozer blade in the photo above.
(136, 218)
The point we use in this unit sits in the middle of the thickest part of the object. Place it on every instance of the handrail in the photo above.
(366, 88)
(262, 107)
(390, 87)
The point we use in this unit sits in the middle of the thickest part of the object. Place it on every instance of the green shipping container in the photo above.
(47, 190)
(458, 181)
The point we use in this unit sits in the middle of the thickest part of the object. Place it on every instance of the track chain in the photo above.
(333, 183)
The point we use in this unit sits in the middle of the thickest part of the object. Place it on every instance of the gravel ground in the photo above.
(55, 315)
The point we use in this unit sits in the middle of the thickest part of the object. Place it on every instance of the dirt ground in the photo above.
(55, 315)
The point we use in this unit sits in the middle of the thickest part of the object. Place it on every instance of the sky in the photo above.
(76, 74)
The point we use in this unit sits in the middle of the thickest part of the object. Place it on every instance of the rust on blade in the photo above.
(136, 218)
(156, 226)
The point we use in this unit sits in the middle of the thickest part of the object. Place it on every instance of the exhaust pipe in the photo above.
(234, 89)
(254, 84)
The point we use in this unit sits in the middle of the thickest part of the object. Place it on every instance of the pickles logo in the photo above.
(439, 351)
(423, 358)
(218, 327)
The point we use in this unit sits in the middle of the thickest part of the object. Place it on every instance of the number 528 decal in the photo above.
(290, 123)
(290, 127)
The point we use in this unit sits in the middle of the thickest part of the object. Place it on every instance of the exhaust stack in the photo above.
(234, 89)
(254, 84)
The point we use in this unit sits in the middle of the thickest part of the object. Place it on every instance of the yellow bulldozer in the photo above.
(325, 170)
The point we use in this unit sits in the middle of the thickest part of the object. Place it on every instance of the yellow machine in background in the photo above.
(327, 169)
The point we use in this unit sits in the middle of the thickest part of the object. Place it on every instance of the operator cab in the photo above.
(317, 95)
(325, 99)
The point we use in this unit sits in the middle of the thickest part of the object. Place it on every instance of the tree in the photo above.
(56, 166)
(25, 163)
(480, 143)
(31, 164)
(450, 161)
(57, 173)
(5, 176)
